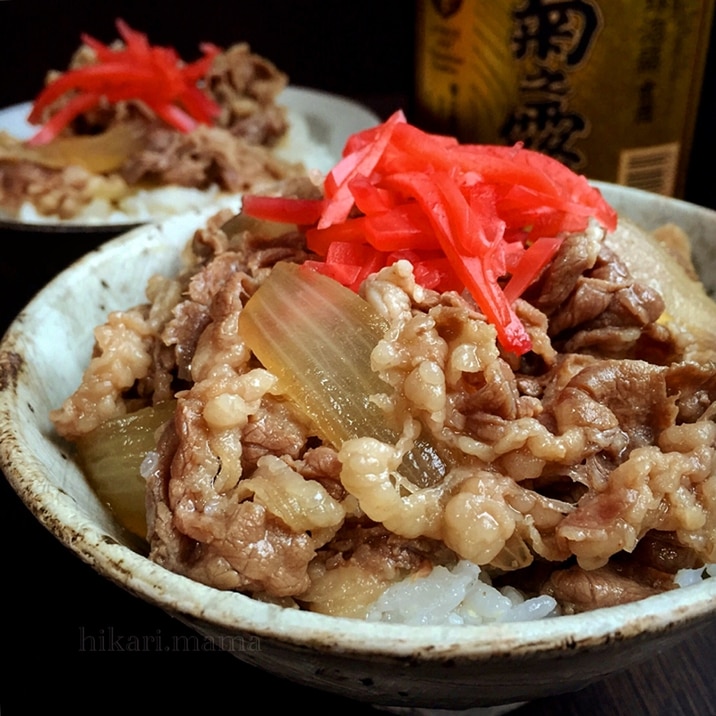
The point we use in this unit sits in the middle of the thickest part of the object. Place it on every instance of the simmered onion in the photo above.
(111, 456)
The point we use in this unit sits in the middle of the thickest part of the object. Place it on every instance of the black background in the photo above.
(363, 48)
(51, 599)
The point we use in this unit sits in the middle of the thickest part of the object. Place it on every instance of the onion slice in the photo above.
(316, 336)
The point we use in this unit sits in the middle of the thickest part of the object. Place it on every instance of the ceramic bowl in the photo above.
(454, 667)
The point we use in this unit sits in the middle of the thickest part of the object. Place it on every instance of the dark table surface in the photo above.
(65, 628)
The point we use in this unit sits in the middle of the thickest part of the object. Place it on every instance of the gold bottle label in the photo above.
(609, 87)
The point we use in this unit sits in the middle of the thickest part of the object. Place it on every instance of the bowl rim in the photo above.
(241, 614)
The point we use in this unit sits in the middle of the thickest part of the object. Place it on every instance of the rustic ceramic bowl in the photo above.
(41, 361)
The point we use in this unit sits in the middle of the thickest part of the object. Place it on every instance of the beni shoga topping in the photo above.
(138, 71)
(486, 218)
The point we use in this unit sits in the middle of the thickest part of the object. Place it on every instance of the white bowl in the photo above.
(42, 358)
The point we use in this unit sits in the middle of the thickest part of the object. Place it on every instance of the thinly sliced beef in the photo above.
(275, 429)
(595, 306)
(576, 256)
(579, 590)
(208, 155)
(246, 86)
(630, 395)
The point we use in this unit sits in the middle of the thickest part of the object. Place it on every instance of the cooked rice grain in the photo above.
(461, 595)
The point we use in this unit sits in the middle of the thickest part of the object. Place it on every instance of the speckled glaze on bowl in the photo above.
(42, 358)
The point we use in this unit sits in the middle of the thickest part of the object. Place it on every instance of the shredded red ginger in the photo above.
(138, 71)
(484, 218)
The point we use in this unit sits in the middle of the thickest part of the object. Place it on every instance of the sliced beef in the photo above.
(595, 306)
(694, 387)
(208, 155)
(246, 86)
(576, 256)
(275, 429)
(579, 590)
(630, 395)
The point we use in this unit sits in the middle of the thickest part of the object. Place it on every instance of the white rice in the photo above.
(462, 595)
(687, 577)
(138, 207)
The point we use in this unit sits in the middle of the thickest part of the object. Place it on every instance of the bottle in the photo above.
(608, 87)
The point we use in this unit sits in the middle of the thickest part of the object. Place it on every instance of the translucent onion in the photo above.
(316, 337)
(111, 457)
(97, 153)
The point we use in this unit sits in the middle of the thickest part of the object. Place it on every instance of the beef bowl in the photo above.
(447, 666)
